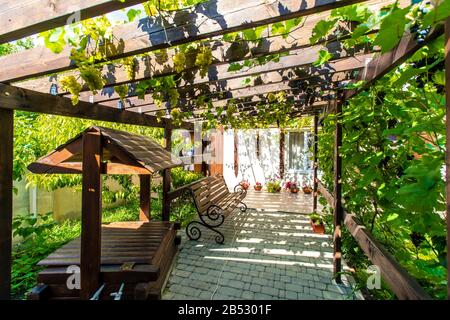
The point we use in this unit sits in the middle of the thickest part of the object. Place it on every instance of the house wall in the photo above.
(267, 166)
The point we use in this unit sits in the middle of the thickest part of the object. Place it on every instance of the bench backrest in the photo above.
(209, 191)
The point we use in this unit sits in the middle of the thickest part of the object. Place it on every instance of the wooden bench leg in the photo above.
(194, 233)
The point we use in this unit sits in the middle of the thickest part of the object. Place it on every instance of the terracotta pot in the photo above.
(318, 228)
(307, 190)
(244, 185)
(295, 190)
(257, 188)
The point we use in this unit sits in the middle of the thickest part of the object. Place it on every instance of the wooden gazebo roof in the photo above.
(123, 153)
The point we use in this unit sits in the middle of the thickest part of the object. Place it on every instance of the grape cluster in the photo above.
(177, 116)
(203, 60)
(179, 61)
(93, 78)
(122, 91)
(417, 28)
(129, 65)
(70, 84)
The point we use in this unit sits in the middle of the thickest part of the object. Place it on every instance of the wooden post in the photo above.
(258, 143)
(282, 151)
(166, 177)
(6, 200)
(338, 212)
(447, 143)
(196, 155)
(316, 165)
(91, 214)
(236, 153)
(144, 195)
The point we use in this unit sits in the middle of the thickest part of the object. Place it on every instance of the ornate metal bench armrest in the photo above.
(239, 189)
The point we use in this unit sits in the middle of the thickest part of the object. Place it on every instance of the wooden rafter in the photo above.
(22, 18)
(209, 19)
(14, 98)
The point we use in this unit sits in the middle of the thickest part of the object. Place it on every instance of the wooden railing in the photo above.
(401, 283)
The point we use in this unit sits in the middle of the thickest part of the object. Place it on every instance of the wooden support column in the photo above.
(338, 212)
(447, 153)
(6, 200)
(166, 177)
(282, 152)
(196, 154)
(315, 163)
(236, 153)
(91, 214)
(144, 195)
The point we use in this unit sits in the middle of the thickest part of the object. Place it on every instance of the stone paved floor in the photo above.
(265, 256)
(284, 201)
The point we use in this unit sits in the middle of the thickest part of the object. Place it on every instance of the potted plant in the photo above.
(244, 184)
(258, 186)
(317, 223)
(294, 187)
(291, 186)
(273, 186)
(307, 189)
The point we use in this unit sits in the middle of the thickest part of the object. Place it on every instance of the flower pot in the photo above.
(307, 190)
(244, 185)
(318, 228)
(257, 188)
(295, 190)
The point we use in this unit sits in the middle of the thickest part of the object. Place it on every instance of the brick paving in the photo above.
(266, 255)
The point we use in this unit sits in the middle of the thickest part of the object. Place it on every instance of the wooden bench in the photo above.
(214, 202)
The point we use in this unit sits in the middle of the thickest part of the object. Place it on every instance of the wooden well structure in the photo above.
(137, 255)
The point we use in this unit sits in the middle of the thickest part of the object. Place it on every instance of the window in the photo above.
(297, 151)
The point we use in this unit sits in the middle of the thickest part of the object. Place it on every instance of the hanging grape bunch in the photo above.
(203, 60)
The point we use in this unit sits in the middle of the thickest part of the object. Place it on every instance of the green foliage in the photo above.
(273, 186)
(393, 155)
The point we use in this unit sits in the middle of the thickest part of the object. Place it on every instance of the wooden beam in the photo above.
(144, 196)
(447, 144)
(6, 200)
(91, 214)
(209, 19)
(282, 149)
(221, 80)
(401, 283)
(76, 168)
(381, 65)
(236, 153)
(14, 98)
(337, 208)
(19, 19)
(315, 163)
(166, 178)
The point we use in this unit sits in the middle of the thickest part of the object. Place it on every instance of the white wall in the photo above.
(268, 164)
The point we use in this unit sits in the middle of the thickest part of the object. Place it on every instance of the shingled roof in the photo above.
(119, 147)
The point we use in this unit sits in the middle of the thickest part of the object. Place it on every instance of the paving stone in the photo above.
(315, 292)
(262, 296)
(248, 295)
(261, 281)
(235, 284)
(291, 295)
(255, 288)
(269, 290)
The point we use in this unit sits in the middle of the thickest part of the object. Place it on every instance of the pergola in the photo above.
(29, 82)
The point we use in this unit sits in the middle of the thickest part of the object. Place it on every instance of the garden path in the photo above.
(268, 254)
